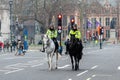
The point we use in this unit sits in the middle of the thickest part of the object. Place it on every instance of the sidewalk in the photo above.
(31, 48)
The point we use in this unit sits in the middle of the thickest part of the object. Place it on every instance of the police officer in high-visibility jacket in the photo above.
(52, 34)
(76, 33)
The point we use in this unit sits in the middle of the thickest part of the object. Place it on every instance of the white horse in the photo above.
(50, 50)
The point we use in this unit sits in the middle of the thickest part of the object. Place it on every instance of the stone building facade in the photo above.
(4, 21)
(107, 17)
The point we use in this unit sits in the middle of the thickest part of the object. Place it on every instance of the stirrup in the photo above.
(43, 51)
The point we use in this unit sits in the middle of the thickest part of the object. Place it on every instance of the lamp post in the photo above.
(85, 27)
(10, 4)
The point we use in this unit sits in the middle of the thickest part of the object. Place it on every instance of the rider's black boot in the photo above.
(43, 50)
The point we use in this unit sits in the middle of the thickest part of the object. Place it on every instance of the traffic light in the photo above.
(59, 23)
(101, 30)
(59, 20)
(72, 22)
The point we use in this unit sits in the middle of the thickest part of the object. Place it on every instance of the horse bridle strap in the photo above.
(47, 44)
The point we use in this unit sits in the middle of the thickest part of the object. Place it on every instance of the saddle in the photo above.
(57, 47)
(56, 43)
(76, 42)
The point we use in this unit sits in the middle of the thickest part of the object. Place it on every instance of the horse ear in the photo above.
(45, 35)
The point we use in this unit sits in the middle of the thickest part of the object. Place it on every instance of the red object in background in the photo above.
(59, 16)
(1, 44)
(59, 20)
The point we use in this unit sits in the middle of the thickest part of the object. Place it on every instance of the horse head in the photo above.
(72, 41)
(46, 40)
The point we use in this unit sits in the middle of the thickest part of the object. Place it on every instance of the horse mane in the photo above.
(50, 41)
(72, 41)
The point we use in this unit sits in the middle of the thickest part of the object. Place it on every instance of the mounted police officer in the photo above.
(52, 34)
(76, 33)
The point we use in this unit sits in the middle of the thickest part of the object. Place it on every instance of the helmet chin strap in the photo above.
(74, 29)
(51, 29)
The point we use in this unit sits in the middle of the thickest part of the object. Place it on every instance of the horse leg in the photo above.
(48, 61)
(76, 63)
(50, 58)
(56, 60)
(79, 58)
(72, 62)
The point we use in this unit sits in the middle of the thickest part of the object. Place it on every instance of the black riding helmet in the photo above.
(51, 27)
(75, 27)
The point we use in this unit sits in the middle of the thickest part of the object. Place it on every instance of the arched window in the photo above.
(113, 23)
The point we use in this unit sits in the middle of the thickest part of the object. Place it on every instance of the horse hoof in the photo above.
(76, 69)
(56, 68)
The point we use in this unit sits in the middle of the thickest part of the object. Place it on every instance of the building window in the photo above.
(107, 34)
(107, 21)
(93, 20)
(94, 23)
(113, 23)
(100, 19)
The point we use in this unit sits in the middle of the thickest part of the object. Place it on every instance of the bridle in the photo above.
(72, 41)
(46, 42)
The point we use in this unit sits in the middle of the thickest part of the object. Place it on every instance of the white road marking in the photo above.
(13, 71)
(63, 66)
(93, 75)
(119, 68)
(87, 70)
(37, 65)
(94, 67)
(69, 79)
(82, 73)
(20, 66)
(88, 79)
(13, 66)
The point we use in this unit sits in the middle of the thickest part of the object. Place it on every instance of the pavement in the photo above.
(37, 48)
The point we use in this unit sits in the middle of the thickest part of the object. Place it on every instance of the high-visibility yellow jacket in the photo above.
(51, 33)
(76, 33)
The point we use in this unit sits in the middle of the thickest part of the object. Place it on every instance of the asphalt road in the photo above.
(96, 64)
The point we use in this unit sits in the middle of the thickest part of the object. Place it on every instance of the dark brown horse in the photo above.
(75, 52)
